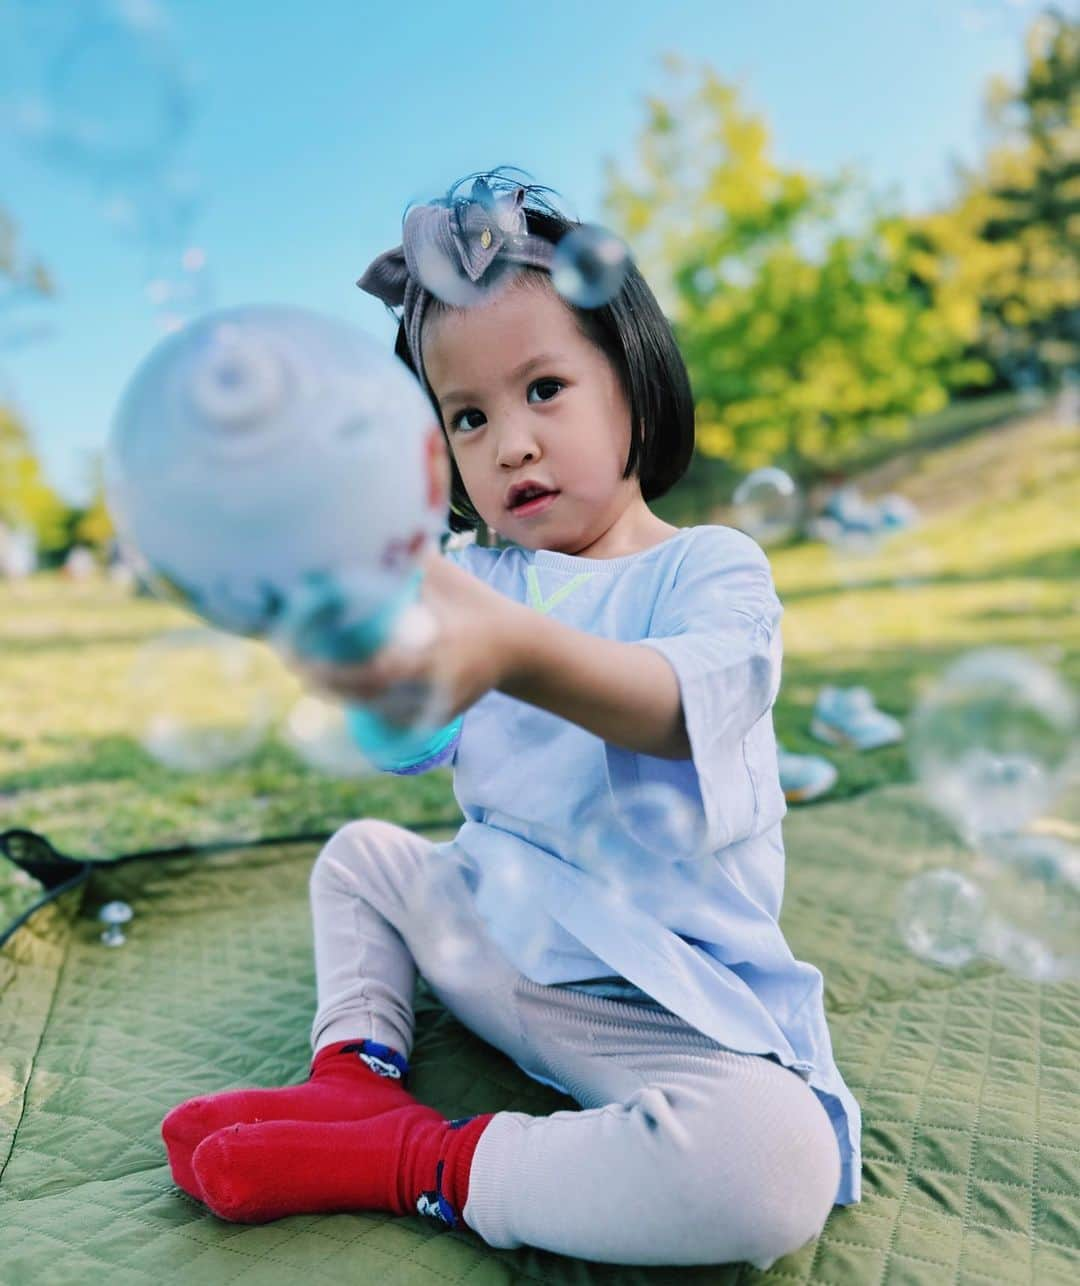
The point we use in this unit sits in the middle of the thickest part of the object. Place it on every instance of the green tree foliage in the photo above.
(1010, 241)
(94, 525)
(26, 499)
(802, 336)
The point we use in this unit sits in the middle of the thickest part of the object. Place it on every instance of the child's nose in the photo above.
(518, 446)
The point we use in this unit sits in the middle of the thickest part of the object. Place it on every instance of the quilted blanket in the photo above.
(969, 1082)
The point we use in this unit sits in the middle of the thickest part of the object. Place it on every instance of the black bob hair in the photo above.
(636, 337)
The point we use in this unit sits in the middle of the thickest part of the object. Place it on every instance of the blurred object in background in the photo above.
(849, 717)
(851, 522)
(804, 777)
(80, 564)
(18, 552)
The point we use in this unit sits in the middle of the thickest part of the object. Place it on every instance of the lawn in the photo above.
(994, 561)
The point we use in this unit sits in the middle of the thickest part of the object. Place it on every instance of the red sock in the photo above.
(350, 1080)
(408, 1161)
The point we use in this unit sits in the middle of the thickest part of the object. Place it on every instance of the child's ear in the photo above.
(438, 470)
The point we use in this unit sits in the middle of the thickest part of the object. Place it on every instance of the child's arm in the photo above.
(624, 693)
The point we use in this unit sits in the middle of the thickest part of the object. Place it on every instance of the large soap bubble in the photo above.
(112, 99)
(206, 700)
(281, 475)
(993, 741)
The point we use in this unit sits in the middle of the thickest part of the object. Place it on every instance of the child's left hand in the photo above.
(471, 652)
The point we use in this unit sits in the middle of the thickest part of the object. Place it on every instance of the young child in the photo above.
(600, 650)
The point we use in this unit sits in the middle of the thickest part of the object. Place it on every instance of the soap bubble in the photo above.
(157, 210)
(440, 274)
(178, 287)
(642, 841)
(940, 917)
(509, 887)
(767, 505)
(317, 732)
(589, 266)
(206, 700)
(1033, 888)
(993, 741)
(112, 98)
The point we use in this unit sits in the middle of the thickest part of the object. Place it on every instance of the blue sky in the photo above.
(315, 124)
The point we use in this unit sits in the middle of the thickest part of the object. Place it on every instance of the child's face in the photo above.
(564, 421)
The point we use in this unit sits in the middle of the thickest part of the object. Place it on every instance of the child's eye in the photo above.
(551, 384)
(556, 384)
(454, 422)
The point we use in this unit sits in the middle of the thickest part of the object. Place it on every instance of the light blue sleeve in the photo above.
(718, 628)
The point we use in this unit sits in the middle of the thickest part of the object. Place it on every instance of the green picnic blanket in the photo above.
(969, 1082)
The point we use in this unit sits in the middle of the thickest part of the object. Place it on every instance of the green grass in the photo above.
(992, 563)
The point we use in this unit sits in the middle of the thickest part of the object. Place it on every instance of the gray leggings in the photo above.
(684, 1152)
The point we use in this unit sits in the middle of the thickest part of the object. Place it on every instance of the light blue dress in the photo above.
(527, 781)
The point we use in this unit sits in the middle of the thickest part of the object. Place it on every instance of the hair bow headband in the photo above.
(450, 249)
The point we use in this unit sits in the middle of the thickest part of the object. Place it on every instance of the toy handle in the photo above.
(317, 627)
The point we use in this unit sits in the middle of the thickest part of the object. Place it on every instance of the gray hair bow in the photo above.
(445, 252)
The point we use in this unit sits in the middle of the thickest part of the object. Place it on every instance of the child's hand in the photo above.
(466, 655)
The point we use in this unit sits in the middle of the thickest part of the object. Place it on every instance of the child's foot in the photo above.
(409, 1161)
(350, 1080)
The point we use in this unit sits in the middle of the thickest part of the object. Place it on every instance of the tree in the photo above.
(1011, 237)
(26, 499)
(802, 336)
(94, 525)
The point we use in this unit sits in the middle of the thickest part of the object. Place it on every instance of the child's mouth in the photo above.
(535, 506)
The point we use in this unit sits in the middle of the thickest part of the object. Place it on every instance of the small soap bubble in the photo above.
(767, 505)
(511, 885)
(317, 733)
(643, 842)
(206, 700)
(179, 287)
(940, 916)
(1033, 889)
(993, 741)
(157, 210)
(441, 891)
(662, 820)
(589, 266)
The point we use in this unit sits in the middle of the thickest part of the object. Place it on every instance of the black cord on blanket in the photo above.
(34, 853)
